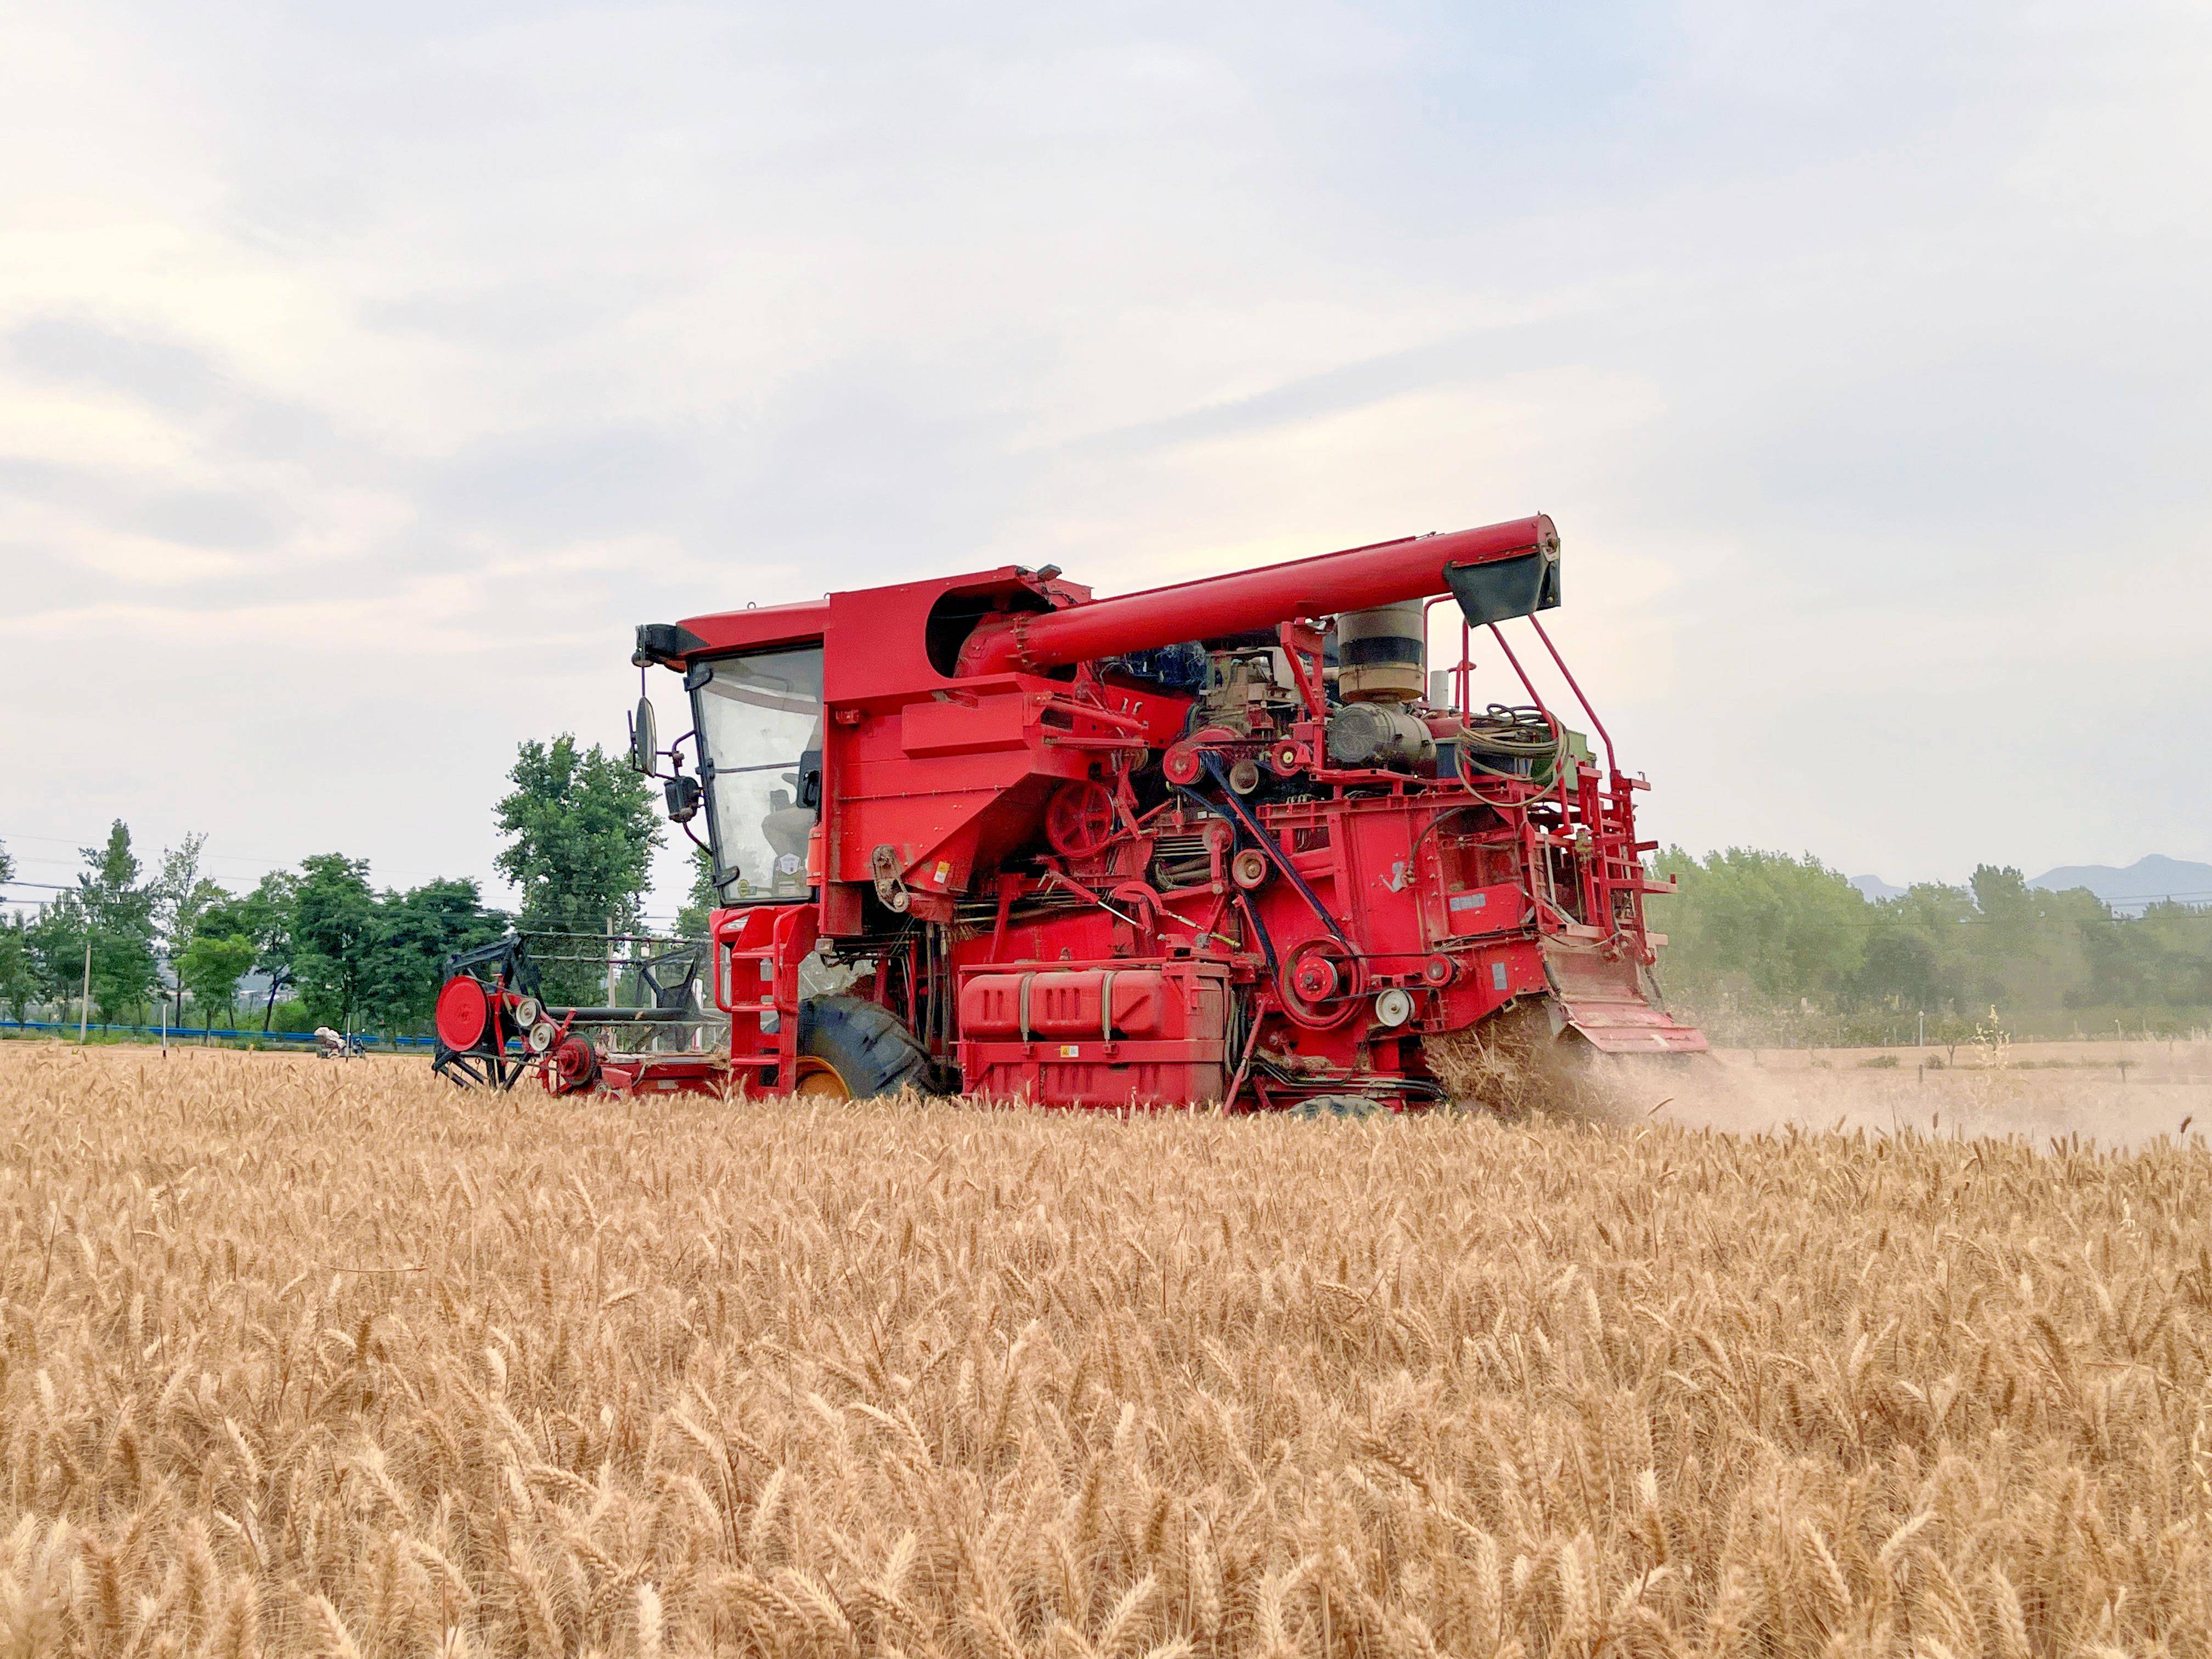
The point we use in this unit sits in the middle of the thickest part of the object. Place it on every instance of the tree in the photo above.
(19, 977)
(210, 968)
(1762, 927)
(180, 894)
(1899, 968)
(699, 904)
(55, 937)
(264, 916)
(580, 832)
(416, 931)
(108, 907)
(120, 914)
(333, 936)
(19, 981)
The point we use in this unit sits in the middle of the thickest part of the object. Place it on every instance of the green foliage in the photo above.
(179, 894)
(19, 973)
(264, 916)
(580, 830)
(334, 931)
(210, 968)
(1764, 947)
(351, 952)
(1761, 927)
(109, 907)
(290, 1015)
(416, 931)
(356, 953)
(122, 913)
(19, 977)
(55, 937)
(691, 921)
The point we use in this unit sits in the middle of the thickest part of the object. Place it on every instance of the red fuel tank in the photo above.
(1149, 1036)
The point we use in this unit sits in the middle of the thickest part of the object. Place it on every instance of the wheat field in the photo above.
(321, 1358)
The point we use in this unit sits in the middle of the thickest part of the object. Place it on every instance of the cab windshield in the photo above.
(760, 733)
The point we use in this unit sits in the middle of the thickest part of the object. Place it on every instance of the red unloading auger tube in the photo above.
(1498, 571)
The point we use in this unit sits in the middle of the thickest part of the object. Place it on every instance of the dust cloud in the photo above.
(2118, 1095)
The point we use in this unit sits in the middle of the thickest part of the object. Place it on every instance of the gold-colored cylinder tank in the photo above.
(1381, 654)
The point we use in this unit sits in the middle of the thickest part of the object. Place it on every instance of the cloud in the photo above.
(364, 376)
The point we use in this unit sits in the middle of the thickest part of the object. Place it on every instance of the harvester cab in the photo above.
(1230, 840)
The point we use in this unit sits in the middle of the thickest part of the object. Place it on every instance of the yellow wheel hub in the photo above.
(819, 1079)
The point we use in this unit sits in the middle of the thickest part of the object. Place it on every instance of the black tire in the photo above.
(1321, 1106)
(864, 1044)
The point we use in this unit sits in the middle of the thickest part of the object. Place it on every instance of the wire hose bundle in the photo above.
(1504, 741)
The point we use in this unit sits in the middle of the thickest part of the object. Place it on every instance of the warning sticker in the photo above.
(1469, 901)
(1070, 1050)
(944, 872)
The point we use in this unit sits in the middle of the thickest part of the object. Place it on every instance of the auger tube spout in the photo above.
(1497, 571)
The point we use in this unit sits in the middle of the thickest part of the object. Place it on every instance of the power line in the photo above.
(261, 862)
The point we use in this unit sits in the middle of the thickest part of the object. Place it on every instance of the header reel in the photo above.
(493, 1025)
(489, 1001)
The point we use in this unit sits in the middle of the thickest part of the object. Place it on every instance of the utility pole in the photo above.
(84, 998)
(611, 962)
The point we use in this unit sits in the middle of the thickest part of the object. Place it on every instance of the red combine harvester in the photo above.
(1229, 841)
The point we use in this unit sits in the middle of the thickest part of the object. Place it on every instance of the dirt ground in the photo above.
(2115, 1094)
(2041, 1091)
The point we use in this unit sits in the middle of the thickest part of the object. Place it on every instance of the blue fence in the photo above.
(179, 1034)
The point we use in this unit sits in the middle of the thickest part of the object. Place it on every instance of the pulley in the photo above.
(462, 1013)
(1080, 819)
(575, 1063)
(1320, 983)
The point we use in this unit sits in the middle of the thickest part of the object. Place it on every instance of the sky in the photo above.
(367, 373)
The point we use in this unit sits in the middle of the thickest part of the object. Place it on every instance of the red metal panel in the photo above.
(756, 628)
(1609, 1000)
(879, 637)
(1071, 1003)
(953, 728)
(1481, 910)
(1043, 1035)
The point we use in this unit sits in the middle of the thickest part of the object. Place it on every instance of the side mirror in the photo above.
(644, 740)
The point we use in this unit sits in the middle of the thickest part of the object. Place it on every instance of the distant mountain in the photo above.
(2127, 891)
(2148, 879)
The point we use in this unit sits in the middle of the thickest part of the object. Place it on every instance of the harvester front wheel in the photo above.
(850, 1049)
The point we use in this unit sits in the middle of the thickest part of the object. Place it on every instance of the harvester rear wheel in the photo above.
(850, 1049)
(1321, 1106)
